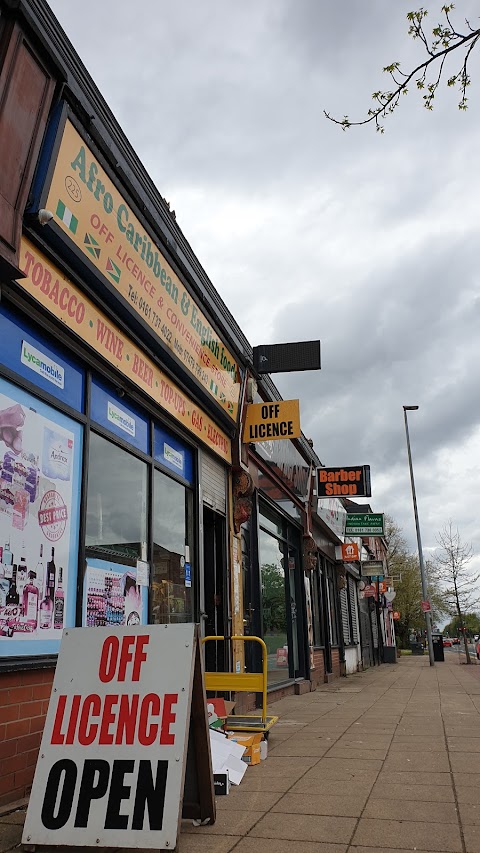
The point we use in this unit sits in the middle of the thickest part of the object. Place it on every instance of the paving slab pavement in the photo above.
(386, 760)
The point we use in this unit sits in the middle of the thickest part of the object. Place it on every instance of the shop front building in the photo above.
(120, 379)
(274, 597)
(328, 525)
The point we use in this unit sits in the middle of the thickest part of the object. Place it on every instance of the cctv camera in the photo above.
(44, 216)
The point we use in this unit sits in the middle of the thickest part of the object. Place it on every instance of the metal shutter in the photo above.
(353, 608)
(374, 624)
(213, 484)
(345, 617)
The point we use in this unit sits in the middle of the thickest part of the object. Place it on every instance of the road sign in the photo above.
(396, 615)
(272, 421)
(370, 591)
(113, 759)
(364, 524)
(350, 552)
(426, 606)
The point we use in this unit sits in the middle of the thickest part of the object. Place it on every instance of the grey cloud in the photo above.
(368, 242)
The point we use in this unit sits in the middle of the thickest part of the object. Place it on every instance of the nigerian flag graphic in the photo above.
(66, 216)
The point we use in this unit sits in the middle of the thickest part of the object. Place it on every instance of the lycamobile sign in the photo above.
(42, 364)
(121, 419)
(364, 524)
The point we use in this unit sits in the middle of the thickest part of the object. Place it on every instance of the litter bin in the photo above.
(389, 654)
(438, 653)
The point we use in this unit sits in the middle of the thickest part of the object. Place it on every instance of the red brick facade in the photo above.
(336, 665)
(317, 675)
(23, 706)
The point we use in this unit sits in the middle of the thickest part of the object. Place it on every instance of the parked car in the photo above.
(447, 641)
(455, 641)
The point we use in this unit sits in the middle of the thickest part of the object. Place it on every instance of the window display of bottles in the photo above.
(30, 600)
(105, 600)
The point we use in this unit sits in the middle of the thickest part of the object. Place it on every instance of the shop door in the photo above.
(293, 574)
(326, 623)
(281, 614)
(215, 616)
(366, 636)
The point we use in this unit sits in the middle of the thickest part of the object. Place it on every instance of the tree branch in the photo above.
(445, 37)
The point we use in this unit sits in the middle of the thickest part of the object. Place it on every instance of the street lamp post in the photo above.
(419, 539)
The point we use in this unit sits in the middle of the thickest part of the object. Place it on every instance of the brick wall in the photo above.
(317, 675)
(23, 706)
(336, 666)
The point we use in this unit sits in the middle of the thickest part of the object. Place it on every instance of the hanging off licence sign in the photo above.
(272, 421)
(112, 760)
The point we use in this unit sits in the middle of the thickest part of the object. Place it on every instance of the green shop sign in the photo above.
(368, 524)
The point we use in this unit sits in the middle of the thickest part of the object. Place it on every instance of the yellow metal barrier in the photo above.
(245, 682)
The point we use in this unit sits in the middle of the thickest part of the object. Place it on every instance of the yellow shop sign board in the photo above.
(67, 303)
(92, 213)
(272, 421)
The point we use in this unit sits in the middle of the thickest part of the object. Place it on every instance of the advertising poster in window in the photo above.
(40, 464)
(113, 596)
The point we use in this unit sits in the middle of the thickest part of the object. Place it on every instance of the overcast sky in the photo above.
(367, 242)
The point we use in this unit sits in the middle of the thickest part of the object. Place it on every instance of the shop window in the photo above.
(116, 527)
(40, 484)
(172, 590)
(274, 524)
(173, 454)
(278, 574)
(119, 417)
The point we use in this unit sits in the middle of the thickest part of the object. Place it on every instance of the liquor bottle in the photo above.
(46, 609)
(59, 602)
(51, 574)
(46, 604)
(40, 572)
(7, 560)
(22, 575)
(7, 556)
(12, 594)
(30, 602)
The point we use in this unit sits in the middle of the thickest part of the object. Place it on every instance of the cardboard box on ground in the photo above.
(231, 751)
(251, 742)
